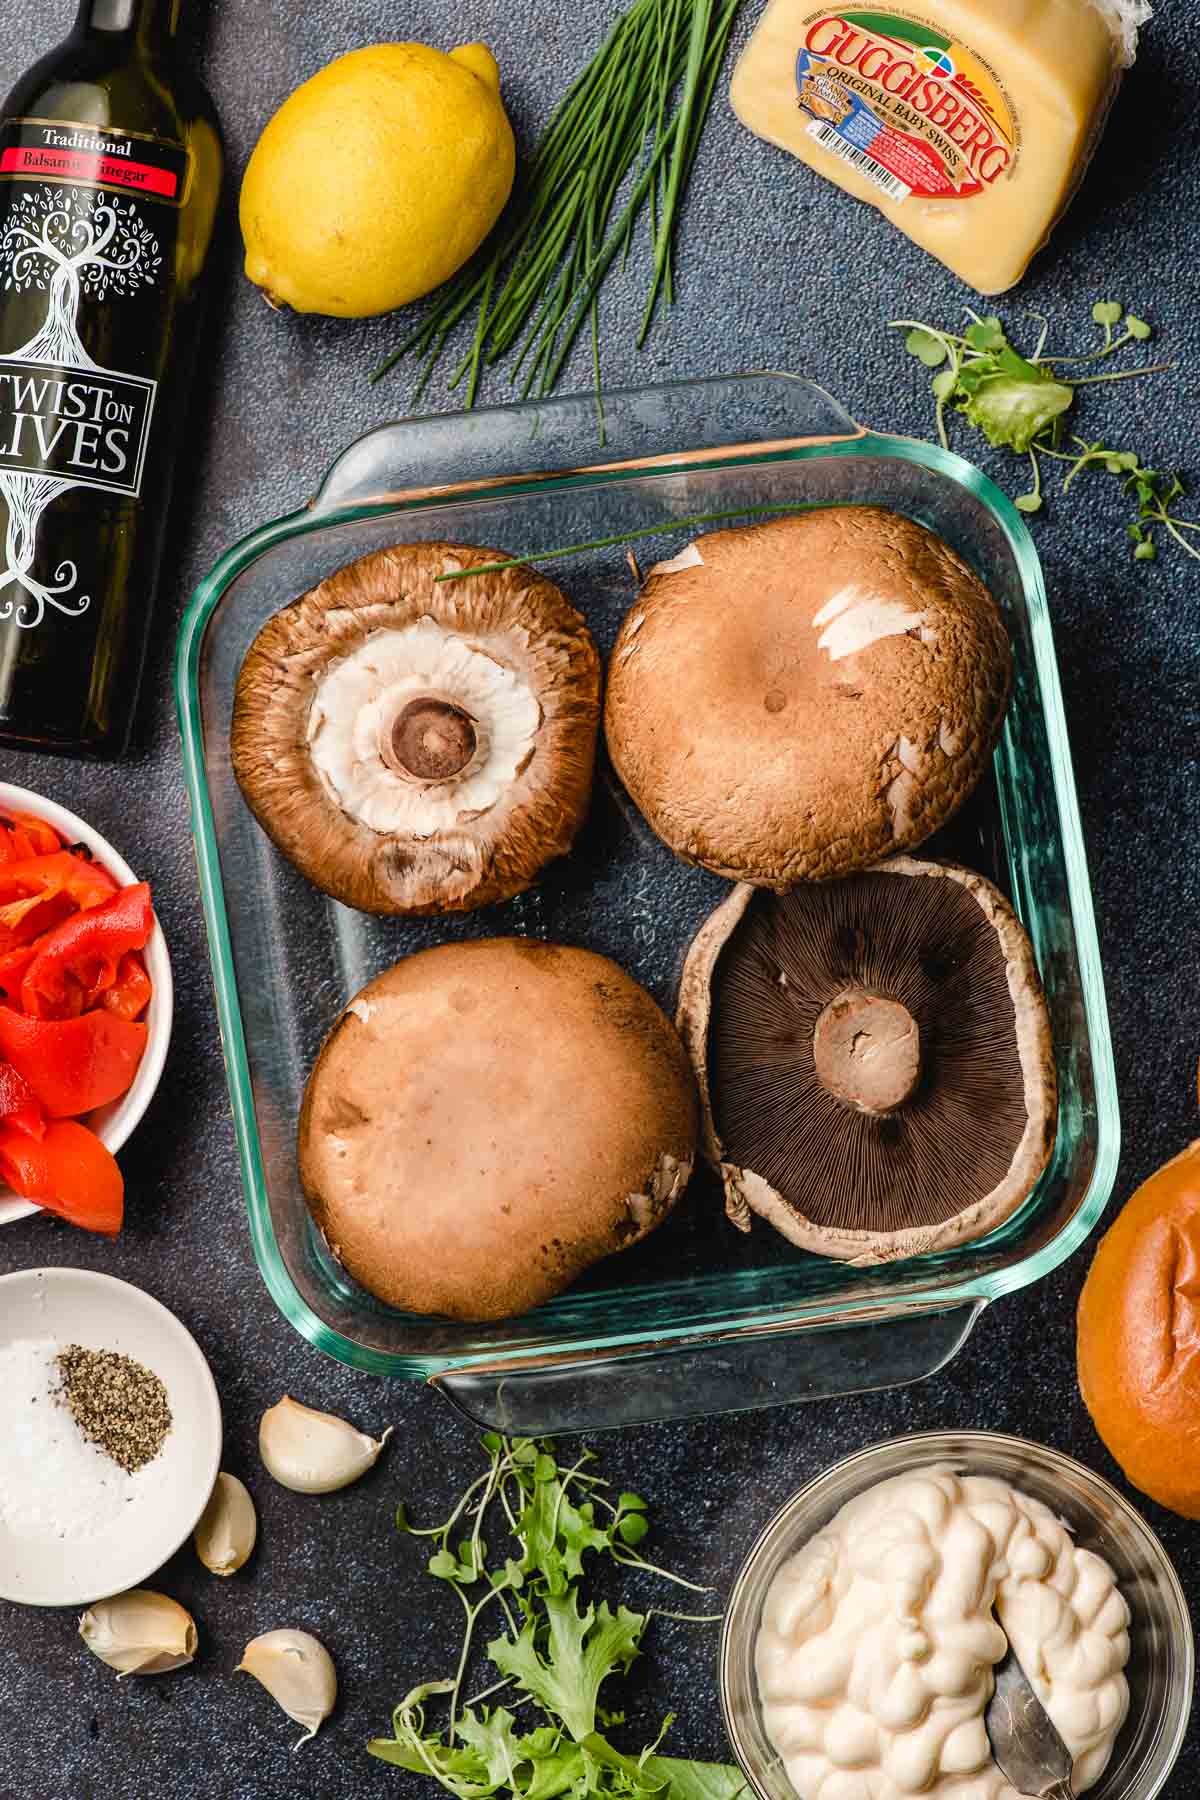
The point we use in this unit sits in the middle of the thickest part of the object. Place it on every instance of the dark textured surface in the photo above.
(775, 269)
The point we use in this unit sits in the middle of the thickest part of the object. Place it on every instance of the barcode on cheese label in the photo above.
(862, 160)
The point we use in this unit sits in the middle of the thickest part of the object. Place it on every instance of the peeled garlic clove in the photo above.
(314, 1452)
(228, 1527)
(298, 1673)
(140, 1633)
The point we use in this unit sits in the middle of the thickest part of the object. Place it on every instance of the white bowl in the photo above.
(114, 1122)
(76, 1306)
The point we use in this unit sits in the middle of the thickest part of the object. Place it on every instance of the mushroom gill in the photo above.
(875, 1059)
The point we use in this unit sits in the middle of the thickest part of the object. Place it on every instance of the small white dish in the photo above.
(112, 1123)
(77, 1306)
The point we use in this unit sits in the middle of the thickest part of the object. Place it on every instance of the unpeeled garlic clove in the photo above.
(228, 1527)
(297, 1671)
(140, 1633)
(314, 1452)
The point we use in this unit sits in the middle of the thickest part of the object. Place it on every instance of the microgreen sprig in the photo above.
(554, 1652)
(1021, 403)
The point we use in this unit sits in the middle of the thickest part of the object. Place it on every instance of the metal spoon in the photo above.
(1028, 1749)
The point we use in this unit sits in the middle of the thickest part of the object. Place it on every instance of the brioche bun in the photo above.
(1138, 1342)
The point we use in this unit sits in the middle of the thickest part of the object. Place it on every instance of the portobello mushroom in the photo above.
(874, 1059)
(790, 701)
(487, 1119)
(415, 745)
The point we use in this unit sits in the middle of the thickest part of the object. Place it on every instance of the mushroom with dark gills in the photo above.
(793, 700)
(416, 745)
(488, 1119)
(874, 1059)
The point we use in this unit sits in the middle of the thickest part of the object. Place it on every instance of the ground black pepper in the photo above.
(118, 1404)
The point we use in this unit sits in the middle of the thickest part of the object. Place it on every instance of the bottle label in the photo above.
(916, 112)
(49, 150)
(87, 238)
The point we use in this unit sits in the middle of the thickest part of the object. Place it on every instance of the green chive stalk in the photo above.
(619, 145)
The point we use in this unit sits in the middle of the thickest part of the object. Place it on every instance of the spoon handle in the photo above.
(1059, 1790)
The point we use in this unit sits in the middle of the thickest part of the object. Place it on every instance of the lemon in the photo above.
(377, 179)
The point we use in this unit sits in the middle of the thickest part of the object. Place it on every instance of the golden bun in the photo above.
(1138, 1338)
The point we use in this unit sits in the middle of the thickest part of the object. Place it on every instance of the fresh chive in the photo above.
(623, 537)
(619, 130)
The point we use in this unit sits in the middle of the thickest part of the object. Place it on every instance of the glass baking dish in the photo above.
(699, 1318)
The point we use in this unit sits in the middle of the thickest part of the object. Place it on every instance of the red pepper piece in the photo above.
(69, 1172)
(22, 836)
(13, 964)
(86, 883)
(79, 958)
(18, 1105)
(24, 921)
(132, 991)
(73, 1065)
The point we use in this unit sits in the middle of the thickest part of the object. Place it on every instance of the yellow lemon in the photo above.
(377, 179)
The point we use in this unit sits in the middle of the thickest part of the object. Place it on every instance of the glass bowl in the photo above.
(698, 1318)
(1162, 1654)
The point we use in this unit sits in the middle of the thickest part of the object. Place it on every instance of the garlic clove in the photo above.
(314, 1452)
(298, 1673)
(228, 1527)
(140, 1633)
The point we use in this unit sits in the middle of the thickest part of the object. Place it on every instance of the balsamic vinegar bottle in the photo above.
(110, 172)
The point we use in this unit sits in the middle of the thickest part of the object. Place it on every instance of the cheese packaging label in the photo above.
(967, 123)
(909, 108)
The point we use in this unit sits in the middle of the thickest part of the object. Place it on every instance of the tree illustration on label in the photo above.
(68, 242)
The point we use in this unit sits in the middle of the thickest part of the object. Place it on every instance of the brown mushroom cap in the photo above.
(874, 1059)
(428, 744)
(487, 1119)
(790, 701)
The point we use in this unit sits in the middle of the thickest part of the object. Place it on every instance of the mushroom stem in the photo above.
(867, 1051)
(430, 740)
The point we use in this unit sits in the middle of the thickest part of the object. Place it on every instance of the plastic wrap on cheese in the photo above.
(968, 123)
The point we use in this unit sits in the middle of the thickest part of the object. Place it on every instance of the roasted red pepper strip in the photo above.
(23, 836)
(86, 883)
(131, 993)
(79, 958)
(18, 1106)
(73, 1065)
(13, 964)
(24, 921)
(69, 1172)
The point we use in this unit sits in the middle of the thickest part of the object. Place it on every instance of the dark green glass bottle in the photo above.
(110, 173)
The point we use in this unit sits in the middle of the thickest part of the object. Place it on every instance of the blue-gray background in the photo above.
(775, 269)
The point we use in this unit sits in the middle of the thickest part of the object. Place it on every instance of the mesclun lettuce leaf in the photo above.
(555, 1652)
(1010, 400)
(580, 1653)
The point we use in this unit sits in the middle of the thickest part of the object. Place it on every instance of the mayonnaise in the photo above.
(878, 1640)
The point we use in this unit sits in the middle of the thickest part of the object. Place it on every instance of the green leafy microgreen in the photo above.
(1022, 403)
(927, 347)
(1107, 312)
(554, 1652)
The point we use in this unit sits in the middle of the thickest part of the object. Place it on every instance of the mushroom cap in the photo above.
(928, 1168)
(793, 700)
(487, 1119)
(511, 629)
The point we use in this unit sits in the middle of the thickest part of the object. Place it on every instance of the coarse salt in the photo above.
(53, 1482)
